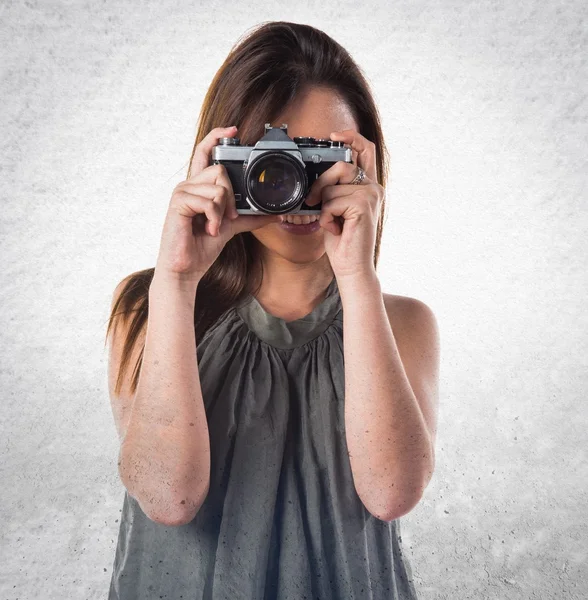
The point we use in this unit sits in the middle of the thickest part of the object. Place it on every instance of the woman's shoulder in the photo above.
(406, 309)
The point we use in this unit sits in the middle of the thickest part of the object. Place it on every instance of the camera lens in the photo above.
(276, 182)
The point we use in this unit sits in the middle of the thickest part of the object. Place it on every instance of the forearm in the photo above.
(389, 446)
(165, 454)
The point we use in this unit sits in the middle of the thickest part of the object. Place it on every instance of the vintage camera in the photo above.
(275, 175)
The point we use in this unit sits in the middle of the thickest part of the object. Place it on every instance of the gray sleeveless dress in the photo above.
(282, 519)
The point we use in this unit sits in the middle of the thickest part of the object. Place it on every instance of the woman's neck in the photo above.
(292, 289)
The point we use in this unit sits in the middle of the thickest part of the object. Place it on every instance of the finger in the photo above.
(252, 222)
(337, 191)
(191, 205)
(201, 158)
(366, 150)
(217, 193)
(214, 193)
(217, 175)
(330, 222)
(341, 171)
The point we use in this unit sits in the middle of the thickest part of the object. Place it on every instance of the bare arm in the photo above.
(164, 460)
(390, 419)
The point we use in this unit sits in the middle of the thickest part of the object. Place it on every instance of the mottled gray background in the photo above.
(484, 106)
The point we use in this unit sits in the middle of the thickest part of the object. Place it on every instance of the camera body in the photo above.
(274, 176)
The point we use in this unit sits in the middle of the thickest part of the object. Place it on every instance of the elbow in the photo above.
(399, 508)
(170, 520)
(172, 511)
(184, 509)
(185, 514)
(406, 501)
(429, 469)
(395, 507)
(190, 508)
(412, 493)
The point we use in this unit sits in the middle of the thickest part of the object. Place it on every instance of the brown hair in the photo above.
(264, 71)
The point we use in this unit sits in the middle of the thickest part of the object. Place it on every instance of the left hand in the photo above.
(349, 213)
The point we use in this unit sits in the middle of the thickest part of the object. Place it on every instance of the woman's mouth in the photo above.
(300, 224)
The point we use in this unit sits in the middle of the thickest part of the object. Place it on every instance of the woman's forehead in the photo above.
(316, 113)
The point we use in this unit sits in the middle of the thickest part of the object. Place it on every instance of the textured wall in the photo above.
(484, 106)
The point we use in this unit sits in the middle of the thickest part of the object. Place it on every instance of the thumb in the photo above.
(252, 222)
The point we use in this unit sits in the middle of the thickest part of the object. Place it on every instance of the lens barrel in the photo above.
(276, 182)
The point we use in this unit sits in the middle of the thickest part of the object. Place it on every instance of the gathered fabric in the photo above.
(282, 518)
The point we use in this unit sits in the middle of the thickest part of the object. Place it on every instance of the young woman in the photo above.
(281, 412)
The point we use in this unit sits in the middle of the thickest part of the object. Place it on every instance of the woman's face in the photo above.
(316, 113)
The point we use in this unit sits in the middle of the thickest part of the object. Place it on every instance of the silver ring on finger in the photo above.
(359, 177)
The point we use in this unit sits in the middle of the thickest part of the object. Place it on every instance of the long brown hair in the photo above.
(264, 71)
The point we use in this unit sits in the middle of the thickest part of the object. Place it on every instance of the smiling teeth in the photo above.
(300, 220)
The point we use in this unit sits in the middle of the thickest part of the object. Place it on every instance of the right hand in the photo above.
(202, 216)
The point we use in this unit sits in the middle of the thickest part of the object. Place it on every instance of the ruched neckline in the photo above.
(284, 334)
